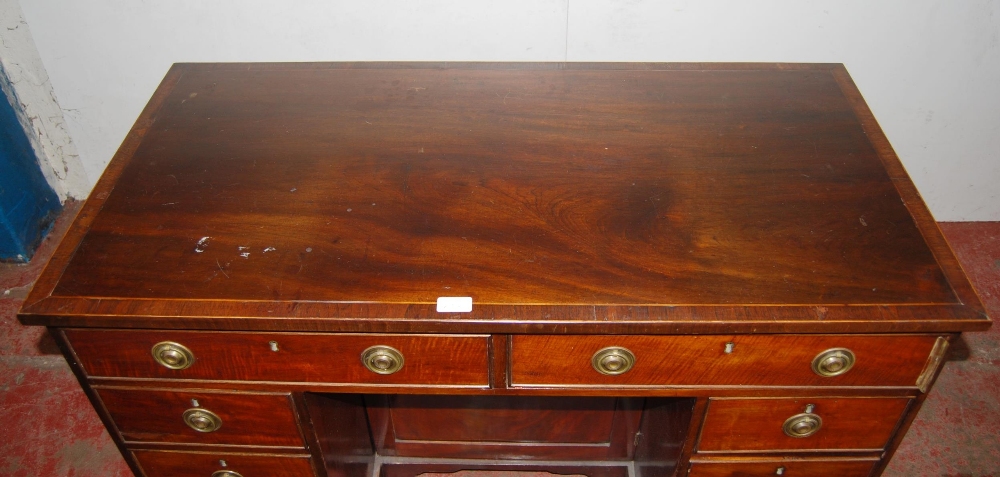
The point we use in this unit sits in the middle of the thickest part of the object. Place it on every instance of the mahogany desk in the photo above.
(674, 269)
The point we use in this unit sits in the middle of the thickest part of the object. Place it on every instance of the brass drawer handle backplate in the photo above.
(613, 360)
(202, 420)
(382, 359)
(226, 473)
(833, 362)
(802, 425)
(172, 355)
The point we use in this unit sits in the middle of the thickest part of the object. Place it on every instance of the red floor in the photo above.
(50, 429)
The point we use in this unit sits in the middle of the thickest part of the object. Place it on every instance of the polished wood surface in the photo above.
(662, 436)
(531, 419)
(501, 427)
(755, 360)
(203, 464)
(837, 467)
(446, 360)
(157, 416)
(553, 469)
(342, 434)
(726, 223)
(544, 192)
(756, 424)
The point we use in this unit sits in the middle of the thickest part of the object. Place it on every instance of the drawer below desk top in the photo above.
(570, 364)
(184, 402)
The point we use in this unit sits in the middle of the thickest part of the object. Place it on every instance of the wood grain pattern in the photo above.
(501, 469)
(662, 436)
(156, 416)
(582, 391)
(442, 418)
(102, 189)
(693, 431)
(446, 360)
(480, 427)
(577, 187)
(202, 464)
(341, 430)
(313, 426)
(835, 467)
(399, 318)
(95, 400)
(278, 219)
(909, 194)
(756, 424)
(756, 360)
(901, 431)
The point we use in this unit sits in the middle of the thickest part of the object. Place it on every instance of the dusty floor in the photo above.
(50, 429)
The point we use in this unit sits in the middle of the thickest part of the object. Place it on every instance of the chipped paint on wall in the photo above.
(36, 106)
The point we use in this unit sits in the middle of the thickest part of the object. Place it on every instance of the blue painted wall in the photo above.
(27, 203)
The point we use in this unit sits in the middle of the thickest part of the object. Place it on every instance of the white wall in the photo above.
(25, 83)
(929, 69)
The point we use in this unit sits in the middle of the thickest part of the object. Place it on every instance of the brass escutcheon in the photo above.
(833, 362)
(382, 359)
(613, 360)
(172, 355)
(802, 425)
(226, 473)
(202, 420)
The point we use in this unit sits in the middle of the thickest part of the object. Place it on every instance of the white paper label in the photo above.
(454, 304)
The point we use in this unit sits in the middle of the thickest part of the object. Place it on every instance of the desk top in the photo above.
(619, 198)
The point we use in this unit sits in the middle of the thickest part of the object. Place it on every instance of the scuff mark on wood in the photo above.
(202, 243)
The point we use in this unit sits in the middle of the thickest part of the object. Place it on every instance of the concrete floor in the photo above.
(50, 429)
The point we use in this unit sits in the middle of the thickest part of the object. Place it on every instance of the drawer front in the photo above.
(499, 427)
(759, 424)
(447, 360)
(859, 467)
(752, 360)
(204, 464)
(143, 415)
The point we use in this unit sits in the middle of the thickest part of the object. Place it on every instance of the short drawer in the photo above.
(206, 464)
(447, 360)
(810, 467)
(800, 424)
(202, 417)
(714, 360)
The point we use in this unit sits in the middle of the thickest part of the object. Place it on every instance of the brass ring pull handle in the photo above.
(802, 425)
(382, 359)
(172, 355)
(613, 360)
(226, 473)
(202, 420)
(833, 362)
